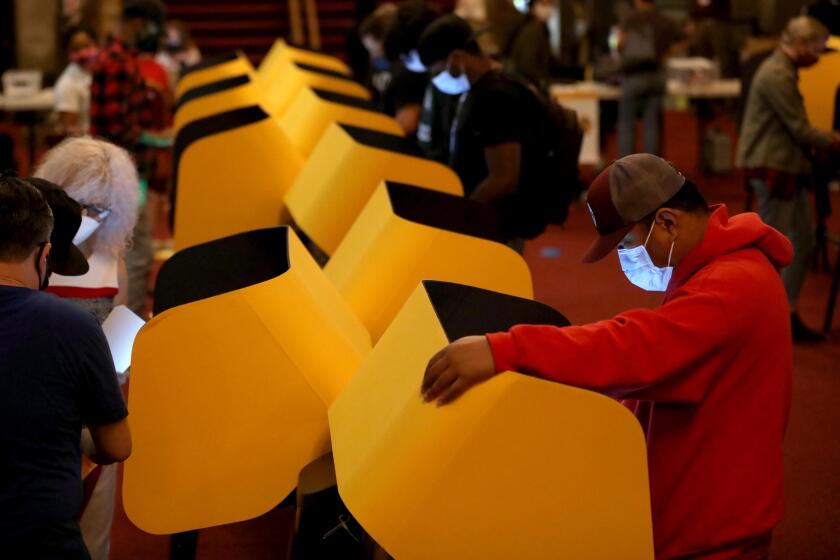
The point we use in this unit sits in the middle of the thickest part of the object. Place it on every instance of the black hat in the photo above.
(65, 258)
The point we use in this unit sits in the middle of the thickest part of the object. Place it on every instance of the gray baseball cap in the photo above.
(625, 192)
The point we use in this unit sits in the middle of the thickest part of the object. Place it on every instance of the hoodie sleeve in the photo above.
(669, 354)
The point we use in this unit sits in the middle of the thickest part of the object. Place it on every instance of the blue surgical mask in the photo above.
(413, 63)
(640, 270)
(449, 84)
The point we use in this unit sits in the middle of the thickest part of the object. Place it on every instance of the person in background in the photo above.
(178, 51)
(372, 33)
(776, 143)
(403, 97)
(121, 113)
(708, 374)
(52, 349)
(646, 38)
(495, 146)
(527, 54)
(72, 89)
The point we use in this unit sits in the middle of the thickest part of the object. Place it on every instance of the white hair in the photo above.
(97, 173)
(803, 28)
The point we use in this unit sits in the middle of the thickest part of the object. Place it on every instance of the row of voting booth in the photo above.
(259, 361)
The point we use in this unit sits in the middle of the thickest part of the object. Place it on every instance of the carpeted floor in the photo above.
(811, 527)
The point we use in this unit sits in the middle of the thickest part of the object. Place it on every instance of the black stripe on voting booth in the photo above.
(382, 140)
(323, 71)
(211, 88)
(468, 311)
(342, 99)
(221, 266)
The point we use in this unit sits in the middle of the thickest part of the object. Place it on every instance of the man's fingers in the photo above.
(436, 366)
(440, 385)
(455, 390)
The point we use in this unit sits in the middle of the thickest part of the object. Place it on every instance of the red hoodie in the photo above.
(708, 374)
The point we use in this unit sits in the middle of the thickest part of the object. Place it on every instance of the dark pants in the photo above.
(59, 541)
(641, 93)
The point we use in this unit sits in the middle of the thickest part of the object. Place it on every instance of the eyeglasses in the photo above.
(95, 212)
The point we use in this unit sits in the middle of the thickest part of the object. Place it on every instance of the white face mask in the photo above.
(87, 227)
(413, 63)
(640, 270)
(449, 84)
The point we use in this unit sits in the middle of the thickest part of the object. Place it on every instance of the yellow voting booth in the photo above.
(230, 382)
(248, 89)
(518, 467)
(231, 172)
(407, 234)
(314, 110)
(343, 171)
(819, 85)
(213, 69)
(281, 52)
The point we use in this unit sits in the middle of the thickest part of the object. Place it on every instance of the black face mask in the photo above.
(42, 282)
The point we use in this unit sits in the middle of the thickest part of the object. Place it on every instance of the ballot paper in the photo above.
(121, 327)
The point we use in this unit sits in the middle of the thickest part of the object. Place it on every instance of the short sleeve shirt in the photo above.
(72, 94)
(56, 375)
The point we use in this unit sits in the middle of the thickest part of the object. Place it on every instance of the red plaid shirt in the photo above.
(119, 110)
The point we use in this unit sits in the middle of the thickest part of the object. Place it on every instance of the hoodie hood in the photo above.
(725, 235)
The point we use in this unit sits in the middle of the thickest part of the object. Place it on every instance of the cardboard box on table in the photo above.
(274, 94)
(213, 69)
(343, 171)
(314, 110)
(230, 174)
(518, 467)
(230, 381)
(407, 234)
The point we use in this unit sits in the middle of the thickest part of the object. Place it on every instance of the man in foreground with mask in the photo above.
(56, 374)
(708, 374)
(776, 147)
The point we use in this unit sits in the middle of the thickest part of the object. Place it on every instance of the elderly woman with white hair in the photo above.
(102, 178)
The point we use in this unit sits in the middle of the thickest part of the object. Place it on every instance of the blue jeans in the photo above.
(645, 93)
(793, 218)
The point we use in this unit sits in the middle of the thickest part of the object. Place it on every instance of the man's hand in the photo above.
(464, 363)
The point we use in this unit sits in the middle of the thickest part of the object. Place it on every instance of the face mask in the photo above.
(86, 228)
(45, 281)
(449, 84)
(640, 270)
(85, 57)
(413, 63)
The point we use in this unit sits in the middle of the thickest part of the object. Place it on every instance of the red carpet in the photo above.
(811, 527)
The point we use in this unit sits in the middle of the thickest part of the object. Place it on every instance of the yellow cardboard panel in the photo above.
(384, 257)
(233, 181)
(340, 176)
(281, 91)
(240, 65)
(517, 468)
(281, 52)
(244, 95)
(819, 87)
(229, 396)
(309, 116)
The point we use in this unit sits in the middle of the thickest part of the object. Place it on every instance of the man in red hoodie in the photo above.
(708, 374)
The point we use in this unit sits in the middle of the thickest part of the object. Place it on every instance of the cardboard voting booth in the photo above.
(230, 381)
(518, 467)
(407, 234)
(343, 171)
(215, 98)
(281, 90)
(314, 110)
(819, 85)
(230, 174)
(281, 52)
(213, 69)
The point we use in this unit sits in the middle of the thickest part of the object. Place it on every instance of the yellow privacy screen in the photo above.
(407, 234)
(281, 52)
(213, 69)
(231, 172)
(281, 91)
(343, 171)
(518, 467)
(313, 110)
(819, 85)
(231, 384)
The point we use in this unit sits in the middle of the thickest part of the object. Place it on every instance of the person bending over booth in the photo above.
(708, 374)
(56, 375)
